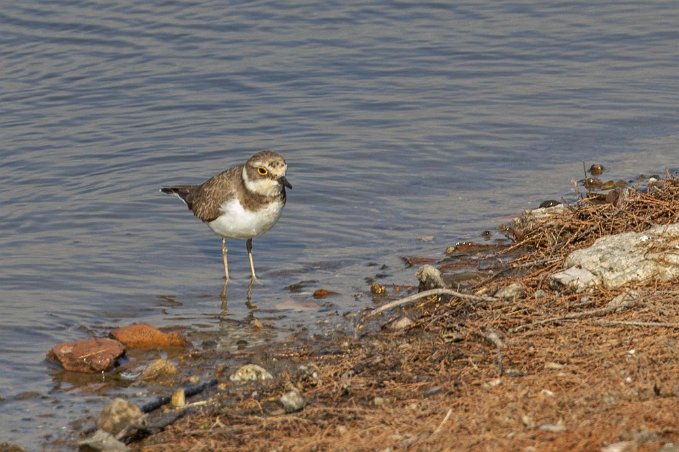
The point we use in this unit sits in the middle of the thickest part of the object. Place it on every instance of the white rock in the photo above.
(632, 256)
(574, 278)
(292, 401)
(251, 372)
(621, 446)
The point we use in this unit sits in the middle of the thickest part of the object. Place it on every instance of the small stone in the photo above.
(322, 293)
(399, 324)
(308, 375)
(553, 366)
(493, 383)
(527, 421)
(559, 427)
(377, 289)
(292, 401)
(433, 391)
(179, 398)
(378, 401)
(341, 430)
(511, 372)
(430, 278)
(539, 294)
(117, 415)
(158, 369)
(250, 372)
(669, 447)
(100, 441)
(624, 299)
(621, 446)
(143, 335)
(194, 379)
(511, 292)
(88, 355)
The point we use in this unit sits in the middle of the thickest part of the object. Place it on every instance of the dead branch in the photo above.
(413, 298)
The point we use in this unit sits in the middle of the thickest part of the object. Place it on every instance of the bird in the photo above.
(242, 202)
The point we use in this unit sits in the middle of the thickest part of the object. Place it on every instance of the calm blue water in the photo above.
(397, 122)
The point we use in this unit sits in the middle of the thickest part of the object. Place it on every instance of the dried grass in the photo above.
(560, 372)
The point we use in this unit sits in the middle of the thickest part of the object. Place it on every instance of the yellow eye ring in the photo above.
(262, 171)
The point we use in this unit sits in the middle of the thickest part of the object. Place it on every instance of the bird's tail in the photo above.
(182, 192)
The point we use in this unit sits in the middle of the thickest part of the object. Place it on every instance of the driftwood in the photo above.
(418, 296)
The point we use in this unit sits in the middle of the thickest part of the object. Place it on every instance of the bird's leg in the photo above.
(248, 245)
(226, 264)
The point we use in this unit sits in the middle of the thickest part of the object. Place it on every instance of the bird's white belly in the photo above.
(235, 222)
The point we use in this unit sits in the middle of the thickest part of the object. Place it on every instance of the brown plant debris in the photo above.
(545, 370)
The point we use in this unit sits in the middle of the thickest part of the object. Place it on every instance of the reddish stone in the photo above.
(143, 335)
(322, 293)
(87, 355)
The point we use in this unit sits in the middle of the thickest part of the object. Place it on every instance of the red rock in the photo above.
(87, 355)
(143, 335)
(322, 293)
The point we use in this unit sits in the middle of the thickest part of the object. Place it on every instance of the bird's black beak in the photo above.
(284, 182)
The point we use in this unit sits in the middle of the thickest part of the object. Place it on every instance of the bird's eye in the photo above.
(262, 171)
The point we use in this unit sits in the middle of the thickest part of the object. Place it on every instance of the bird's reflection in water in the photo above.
(223, 295)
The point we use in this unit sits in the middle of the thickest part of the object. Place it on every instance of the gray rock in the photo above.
(572, 278)
(102, 441)
(250, 372)
(559, 427)
(292, 401)
(430, 278)
(633, 256)
(511, 292)
(117, 415)
(399, 324)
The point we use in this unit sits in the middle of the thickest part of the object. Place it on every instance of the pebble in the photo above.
(399, 324)
(179, 398)
(511, 292)
(433, 391)
(158, 369)
(292, 401)
(250, 372)
(117, 415)
(102, 441)
(553, 428)
(377, 289)
(378, 401)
